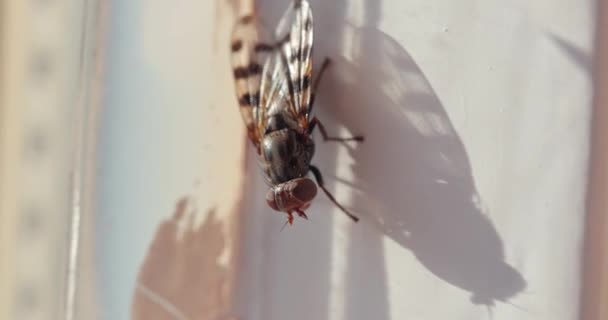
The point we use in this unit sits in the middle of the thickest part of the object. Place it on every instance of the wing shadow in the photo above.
(413, 170)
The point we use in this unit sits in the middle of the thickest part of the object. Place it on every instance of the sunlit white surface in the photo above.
(470, 184)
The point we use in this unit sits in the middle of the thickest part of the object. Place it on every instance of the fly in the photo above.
(275, 92)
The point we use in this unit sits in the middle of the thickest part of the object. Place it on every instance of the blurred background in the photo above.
(128, 190)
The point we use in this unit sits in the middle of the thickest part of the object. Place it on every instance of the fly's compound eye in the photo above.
(304, 190)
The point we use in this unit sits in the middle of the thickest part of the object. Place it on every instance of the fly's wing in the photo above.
(275, 91)
(251, 48)
(295, 34)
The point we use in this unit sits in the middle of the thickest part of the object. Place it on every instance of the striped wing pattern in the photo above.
(295, 32)
(251, 47)
(271, 73)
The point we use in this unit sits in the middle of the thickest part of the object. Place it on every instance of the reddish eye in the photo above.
(305, 190)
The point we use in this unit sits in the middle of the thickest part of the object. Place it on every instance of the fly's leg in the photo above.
(290, 217)
(319, 178)
(302, 214)
(315, 122)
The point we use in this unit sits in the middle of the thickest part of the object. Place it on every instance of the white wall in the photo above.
(470, 185)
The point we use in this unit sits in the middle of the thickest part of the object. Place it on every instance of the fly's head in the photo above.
(286, 155)
(293, 195)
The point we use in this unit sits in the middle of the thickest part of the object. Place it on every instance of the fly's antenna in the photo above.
(284, 225)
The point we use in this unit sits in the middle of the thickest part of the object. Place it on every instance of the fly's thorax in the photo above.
(287, 154)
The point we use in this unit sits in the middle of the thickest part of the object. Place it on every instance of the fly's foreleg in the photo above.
(317, 174)
(315, 122)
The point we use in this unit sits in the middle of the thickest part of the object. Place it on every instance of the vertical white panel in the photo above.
(472, 178)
